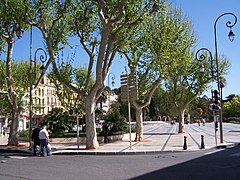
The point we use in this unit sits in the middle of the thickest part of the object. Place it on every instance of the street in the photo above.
(203, 164)
(170, 162)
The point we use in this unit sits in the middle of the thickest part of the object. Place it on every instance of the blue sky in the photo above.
(203, 14)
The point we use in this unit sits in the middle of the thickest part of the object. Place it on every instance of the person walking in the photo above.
(35, 139)
(44, 139)
(105, 132)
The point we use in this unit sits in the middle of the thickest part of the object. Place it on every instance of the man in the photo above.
(35, 139)
(105, 132)
(44, 139)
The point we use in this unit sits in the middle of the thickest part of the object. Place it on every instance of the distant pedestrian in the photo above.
(199, 122)
(4, 130)
(203, 121)
(35, 139)
(44, 140)
(105, 132)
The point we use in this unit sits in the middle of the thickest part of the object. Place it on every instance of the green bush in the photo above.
(58, 121)
(24, 133)
(115, 120)
(68, 135)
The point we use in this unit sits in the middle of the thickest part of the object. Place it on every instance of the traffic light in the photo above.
(73, 111)
(216, 126)
(216, 98)
(214, 107)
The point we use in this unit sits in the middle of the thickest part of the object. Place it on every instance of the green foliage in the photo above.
(52, 18)
(20, 83)
(58, 121)
(24, 134)
(12, 13)
(115, 120)
(232, 107)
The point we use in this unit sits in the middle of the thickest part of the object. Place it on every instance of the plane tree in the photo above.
(96, 24)
(152, 52)
(185, 82)
(11, 24)
(19, 71)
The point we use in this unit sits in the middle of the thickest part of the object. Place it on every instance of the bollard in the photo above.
(202, 142)
(185, 143)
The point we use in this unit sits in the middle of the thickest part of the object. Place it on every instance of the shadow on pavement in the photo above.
(220, 165)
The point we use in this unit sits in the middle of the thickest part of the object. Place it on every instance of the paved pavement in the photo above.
(158, 137)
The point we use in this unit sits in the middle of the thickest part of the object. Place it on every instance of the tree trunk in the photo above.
(139, 124)
(181, 121)
(91, 134)
(13, 135)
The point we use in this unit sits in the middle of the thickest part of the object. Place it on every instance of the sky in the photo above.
(203, 14)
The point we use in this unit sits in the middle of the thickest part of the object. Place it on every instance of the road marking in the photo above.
(17, 157)
(165, 144)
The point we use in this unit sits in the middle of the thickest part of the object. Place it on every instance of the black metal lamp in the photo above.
(19, 32)
(42, 69)
(231, 35)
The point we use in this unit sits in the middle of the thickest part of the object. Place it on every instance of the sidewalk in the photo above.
(152, 143)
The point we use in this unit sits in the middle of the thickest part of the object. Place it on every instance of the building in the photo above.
(44, 100)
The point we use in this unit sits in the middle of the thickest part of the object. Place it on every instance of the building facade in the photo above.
(44, 100)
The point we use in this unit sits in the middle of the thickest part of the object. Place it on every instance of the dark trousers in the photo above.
(43, 145)
(106, 140)
(35, 144)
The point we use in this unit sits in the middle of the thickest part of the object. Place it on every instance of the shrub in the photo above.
(58, 121)
(24, 133)
(115, 121)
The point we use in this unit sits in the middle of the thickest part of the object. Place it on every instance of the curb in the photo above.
(224, 146)
(105, 153)
(15, 151)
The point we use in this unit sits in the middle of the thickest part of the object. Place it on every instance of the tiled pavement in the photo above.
(158, 137)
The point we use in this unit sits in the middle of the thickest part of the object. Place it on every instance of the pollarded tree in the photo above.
(152, 53)
(186, 82)
(75, 76)
(12, 20)
(97, 24)
(19, 85)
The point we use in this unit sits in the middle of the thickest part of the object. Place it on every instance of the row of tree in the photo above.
(156, 39)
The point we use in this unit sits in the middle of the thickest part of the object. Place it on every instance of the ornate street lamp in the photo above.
(19, 32)
(231, 35)
(203, 57)
(113, 78)
(42, 57)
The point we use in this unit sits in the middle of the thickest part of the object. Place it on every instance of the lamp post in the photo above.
(202, 57)
(231, 35)
(19, 32)
(113, 78)
(42, 57)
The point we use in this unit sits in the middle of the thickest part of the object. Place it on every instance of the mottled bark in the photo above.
(91, 134)
(139, 124)
(13, 135)
(12, 98)
(181, 121)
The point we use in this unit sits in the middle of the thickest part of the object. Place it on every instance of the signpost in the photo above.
(128, 94)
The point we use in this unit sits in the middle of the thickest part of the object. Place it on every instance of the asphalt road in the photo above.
(205, 164)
